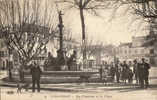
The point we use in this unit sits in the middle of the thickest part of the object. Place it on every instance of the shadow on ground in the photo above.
(131, 88)
(73, 88)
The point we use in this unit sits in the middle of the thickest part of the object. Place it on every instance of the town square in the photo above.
(78, 49)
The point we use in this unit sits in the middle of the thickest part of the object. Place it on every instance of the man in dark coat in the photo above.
(36, 73)
(144, 73)
(112, 71)
(125, 71)
(117, 71)
(136, 71)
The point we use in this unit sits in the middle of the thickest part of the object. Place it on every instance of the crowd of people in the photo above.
(126, 72)
(118, 72)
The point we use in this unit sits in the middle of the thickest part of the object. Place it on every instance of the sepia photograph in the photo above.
(78, 49)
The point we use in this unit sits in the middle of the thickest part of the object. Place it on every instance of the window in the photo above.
(129, 51)
(1, 53)
(125, 51)
(151, 51)
(119, 51)
(135, 51)
(142, 51)
(1, 36)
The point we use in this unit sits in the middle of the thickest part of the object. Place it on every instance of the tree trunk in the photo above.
(21, 73)
(9, 65)
(10, 74)
(82, 23)
(83, 35)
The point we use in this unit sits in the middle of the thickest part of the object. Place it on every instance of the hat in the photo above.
(135, 60)
(143, 59)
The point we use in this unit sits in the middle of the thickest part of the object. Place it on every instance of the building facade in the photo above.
(137, 50)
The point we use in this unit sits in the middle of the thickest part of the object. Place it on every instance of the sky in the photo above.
(109, 28)
(102, 29)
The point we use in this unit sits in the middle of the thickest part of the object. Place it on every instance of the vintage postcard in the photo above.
(78, 49)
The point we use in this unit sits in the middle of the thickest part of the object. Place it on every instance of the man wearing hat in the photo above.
(36, 73)
(144, 74)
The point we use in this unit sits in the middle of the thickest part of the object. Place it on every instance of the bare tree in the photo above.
(91, 6)
(145, 8)
(93, 49)
(148, 10)
(26, 26)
